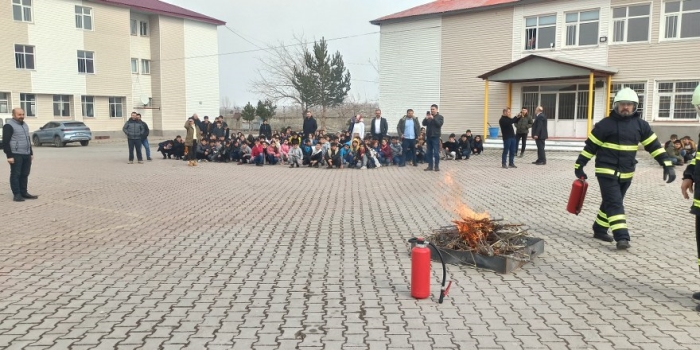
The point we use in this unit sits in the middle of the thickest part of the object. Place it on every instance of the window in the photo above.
(86, 62)
(631, 23)
(135, 65)
(24, 57)
(28, 103)
(4, 102)
(582, 28)
(682, 19)
(134, 27)
(83, 17)
(540, 32)
(145, 66)
(143, 28)
(638, 87)
(61, 106)
(116, 107)
(88, 103)
(22, 10)
(675, 100)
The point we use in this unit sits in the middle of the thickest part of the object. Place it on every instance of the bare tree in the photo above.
(275, 79)
(226, 107)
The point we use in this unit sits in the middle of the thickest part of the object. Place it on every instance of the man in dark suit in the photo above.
(539, 134)
(379, 126)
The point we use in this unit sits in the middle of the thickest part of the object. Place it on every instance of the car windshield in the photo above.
(75, 125)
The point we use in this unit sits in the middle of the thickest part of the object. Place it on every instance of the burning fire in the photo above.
(473, 227)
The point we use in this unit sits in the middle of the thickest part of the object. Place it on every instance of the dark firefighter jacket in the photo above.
(690, 173)
(614, 142)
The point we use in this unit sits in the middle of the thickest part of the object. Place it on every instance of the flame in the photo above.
(455, 203)
(473, 227)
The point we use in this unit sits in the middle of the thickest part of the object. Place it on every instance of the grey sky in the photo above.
(270, 21)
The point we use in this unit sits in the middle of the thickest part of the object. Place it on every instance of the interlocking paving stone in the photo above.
(223, 256)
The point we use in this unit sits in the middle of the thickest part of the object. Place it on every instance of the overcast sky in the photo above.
(271, 21)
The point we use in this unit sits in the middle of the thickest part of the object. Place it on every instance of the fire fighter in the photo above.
(614, 142)
(689, 176)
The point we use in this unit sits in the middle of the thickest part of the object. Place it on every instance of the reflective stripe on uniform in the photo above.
(668, 163)
(601, 223)
(696, 203)
(602, 215)
(577, 165)
(630, 148)
(617, 218)
(618, 227)
(587, 154)
(595, 140)
(692, 162)
(657, 152)
(606, 171)
(649, 140)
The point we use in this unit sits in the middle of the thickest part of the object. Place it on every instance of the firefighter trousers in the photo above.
(612, 211)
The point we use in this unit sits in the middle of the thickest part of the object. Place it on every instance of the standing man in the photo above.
(18, 149)
(510, 146)
(408, 130)
(379, 126)
(134, 131)
(310, 125)
(614, 142)
(266, 130)
(539, 134)
(522, 126)
(433, 123)
(144, 142)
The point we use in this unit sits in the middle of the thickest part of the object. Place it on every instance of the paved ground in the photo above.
(241, 257)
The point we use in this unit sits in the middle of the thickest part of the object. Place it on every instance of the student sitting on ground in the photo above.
(316, 156)
(384, 153)
(464, 147)
(420, 151)
(296, 156)
(477, 145)
(307, 149)
(689, 148)
(451, 147)
(397, 152)
(258, 153)
(246, 153)
(273, 154)
(166, 148)
(674, 152)
(362, 156)
(668, 143)
(203, 150)
(178, 150)
(284, 151)
(333, 158)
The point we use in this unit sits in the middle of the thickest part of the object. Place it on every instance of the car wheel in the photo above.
(84, 143)
(57, 142)
(35, 141)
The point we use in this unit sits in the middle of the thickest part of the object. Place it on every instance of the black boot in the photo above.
(18, 198)
(603, 236)
(623, 244)
(696, 296)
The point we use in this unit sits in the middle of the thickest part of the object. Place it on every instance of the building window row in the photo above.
(25, 59)
(62, 105)
(630, 24)
(139, 28)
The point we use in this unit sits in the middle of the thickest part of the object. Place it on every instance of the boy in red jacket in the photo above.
(257, 153)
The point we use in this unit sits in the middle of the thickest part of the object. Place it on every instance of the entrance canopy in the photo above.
(534, 68)
(540, 68)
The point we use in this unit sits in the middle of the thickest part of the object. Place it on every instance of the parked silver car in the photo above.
(59, 133)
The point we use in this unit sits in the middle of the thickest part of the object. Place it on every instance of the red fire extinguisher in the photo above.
(420, 270)
(577, 196)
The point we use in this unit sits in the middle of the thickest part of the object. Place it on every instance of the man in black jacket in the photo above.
(310, 125)
(614, 142)
(266, 130)
(433, 123)
(539, 134)
(379, 126)
(510, 145)
(134, 130)
(18, 150)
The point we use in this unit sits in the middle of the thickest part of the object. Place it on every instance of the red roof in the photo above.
(441, 7)
(163, 8)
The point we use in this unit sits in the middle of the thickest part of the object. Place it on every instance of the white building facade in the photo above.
(96, 61)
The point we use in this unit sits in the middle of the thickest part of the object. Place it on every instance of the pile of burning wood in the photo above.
(478, 232)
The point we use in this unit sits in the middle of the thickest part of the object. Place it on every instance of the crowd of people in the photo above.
(681, 151)
(415, 143)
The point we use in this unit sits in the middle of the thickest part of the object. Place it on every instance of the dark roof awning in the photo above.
(540, 68)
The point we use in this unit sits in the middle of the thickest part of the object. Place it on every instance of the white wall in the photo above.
(597, 54)
(202, 73)
(410, 62)
(57, 41)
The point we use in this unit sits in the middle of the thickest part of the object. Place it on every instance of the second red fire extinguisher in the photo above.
(420, 270)
(577, 196)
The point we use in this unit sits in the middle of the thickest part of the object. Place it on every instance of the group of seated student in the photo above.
(340, 150)
(681, 151)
